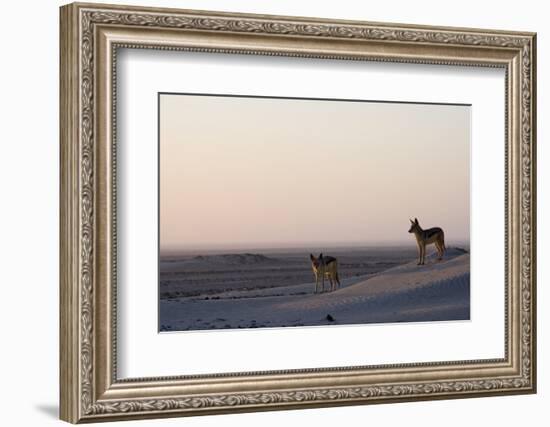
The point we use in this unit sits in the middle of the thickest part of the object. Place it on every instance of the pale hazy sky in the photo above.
(285, 172)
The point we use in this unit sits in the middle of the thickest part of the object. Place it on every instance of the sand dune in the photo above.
(439, 290)
(405, 279)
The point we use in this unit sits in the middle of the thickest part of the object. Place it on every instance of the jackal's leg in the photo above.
(439, 250)
(331, 284)
(423, 254)
(316, 283)
(337, 280)
(419, 254)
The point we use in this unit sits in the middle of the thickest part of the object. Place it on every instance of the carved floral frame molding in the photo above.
(90, 36)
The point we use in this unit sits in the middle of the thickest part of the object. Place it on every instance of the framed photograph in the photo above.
(266, 212)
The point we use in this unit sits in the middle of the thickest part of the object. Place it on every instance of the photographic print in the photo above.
(295, 212)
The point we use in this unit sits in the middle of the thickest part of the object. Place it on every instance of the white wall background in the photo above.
(29, 171)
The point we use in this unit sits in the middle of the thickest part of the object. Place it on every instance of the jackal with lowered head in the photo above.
(433, 235)
(325, 266)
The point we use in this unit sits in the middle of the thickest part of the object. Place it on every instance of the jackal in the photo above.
(433, 235)
(325, 266)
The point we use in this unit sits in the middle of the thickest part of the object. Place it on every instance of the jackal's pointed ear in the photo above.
(412, 222)
(311, 257)
(416, 221)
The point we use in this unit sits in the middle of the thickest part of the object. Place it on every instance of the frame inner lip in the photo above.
(340, 370)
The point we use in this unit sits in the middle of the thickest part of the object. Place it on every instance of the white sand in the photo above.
(439, 290)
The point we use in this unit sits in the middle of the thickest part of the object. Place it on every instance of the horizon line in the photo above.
(288, 245)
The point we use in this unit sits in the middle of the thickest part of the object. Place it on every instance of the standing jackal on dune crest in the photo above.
(325, 266)
(433, 235)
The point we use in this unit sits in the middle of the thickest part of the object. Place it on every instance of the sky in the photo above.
(255, 172)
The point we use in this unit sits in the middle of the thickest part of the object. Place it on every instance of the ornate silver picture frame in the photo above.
(91, 36)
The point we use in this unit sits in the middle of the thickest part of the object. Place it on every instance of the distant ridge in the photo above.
(245, 258)
(464, 251)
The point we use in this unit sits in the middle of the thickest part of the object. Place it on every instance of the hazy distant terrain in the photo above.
(276, 289)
